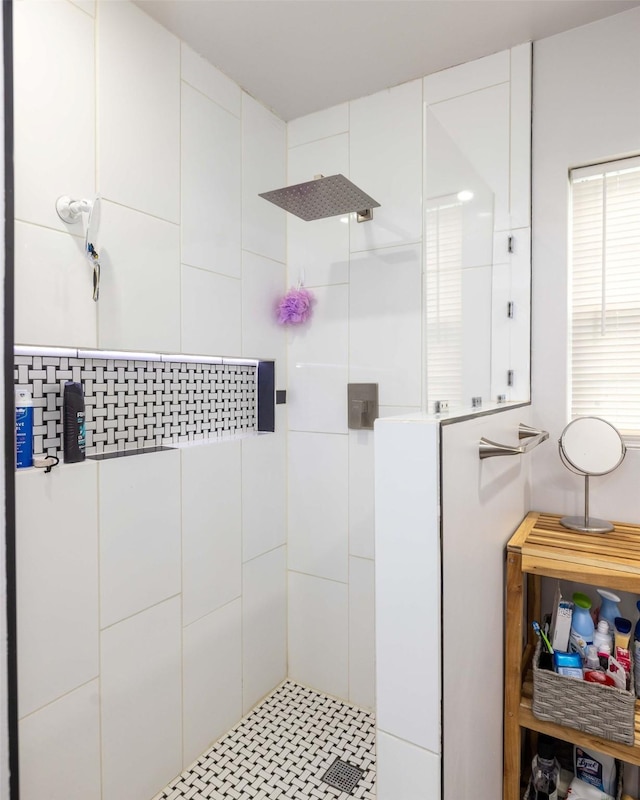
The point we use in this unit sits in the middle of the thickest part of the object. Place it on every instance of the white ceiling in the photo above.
(299, 56)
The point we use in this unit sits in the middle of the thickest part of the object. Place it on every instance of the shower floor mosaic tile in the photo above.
(282, 750)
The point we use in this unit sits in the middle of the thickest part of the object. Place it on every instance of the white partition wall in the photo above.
(443, 518)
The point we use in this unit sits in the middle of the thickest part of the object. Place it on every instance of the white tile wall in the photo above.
(467, 78)
(204, 77)
(211, 528)
(53, 289)
(385, 323)
(211, 307)
(212, 678)
(319, 250)
(114, 126)
(60, 748)
(318, 504)
(264, 625)
(264, 493)
(138, 74)
(140, 282)
(319, 125)
(362, 689)
(139, 533)
(318, 635)
(211, 185)
(404, 770)
(385, 139)
(54, 109)
(317, 370)
(408, 581)
(141, 702)
(264, 168)
(361, 493)
(263, 285)
(57, 582)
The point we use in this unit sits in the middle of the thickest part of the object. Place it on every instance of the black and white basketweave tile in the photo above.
(282, 751)
(138, 403)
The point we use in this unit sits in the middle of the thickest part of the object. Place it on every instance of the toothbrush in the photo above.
(541, 635)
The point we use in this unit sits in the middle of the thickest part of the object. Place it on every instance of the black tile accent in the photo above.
(138, 403)
(281, 397)
(266, 396)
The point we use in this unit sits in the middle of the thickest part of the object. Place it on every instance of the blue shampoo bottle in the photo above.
(24, 429)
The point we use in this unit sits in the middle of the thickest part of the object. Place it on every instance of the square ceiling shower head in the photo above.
(322, 197)
(342, 775)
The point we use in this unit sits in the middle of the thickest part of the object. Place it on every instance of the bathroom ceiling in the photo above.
(299, 56)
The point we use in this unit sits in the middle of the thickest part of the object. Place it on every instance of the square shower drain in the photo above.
(342, 775)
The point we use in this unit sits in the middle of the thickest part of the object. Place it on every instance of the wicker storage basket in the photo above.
(604, 711)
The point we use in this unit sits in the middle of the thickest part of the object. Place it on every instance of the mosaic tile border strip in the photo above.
(281, 751)
(134, 403)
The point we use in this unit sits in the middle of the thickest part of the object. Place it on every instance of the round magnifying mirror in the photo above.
(590, 446)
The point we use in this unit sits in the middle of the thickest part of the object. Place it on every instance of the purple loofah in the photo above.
(295, 307)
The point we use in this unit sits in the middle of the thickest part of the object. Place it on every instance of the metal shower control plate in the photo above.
(321, 198)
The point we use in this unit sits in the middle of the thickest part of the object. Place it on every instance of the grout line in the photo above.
(208, 613)
(140, 211)
(265, 553)
(60, 697)
(320, 578)
(262, 255)
(33, 224)
(207, 96)
(213, 272)
(142, 611)
(323, 138)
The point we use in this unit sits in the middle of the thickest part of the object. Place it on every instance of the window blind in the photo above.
(605, 293)
(443, 265)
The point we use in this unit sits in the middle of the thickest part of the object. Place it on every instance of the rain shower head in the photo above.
(323, 197)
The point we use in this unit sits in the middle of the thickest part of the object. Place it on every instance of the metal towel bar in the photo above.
(533, 436)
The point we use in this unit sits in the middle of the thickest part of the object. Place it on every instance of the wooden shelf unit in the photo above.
(541, 547)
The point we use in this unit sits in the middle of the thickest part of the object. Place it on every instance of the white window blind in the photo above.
(443, 268)
(605, 306)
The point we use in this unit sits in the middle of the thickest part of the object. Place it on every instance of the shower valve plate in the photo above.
(342, 775)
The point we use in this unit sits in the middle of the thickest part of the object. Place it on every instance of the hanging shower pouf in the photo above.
(296, 306)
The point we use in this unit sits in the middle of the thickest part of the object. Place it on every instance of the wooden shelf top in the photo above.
(547, 548)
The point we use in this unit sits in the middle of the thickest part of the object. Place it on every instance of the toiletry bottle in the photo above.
(74, 423)
(622, 635)
(604, 652)
(592, 661)
(24, 429)
(545, 771)
(602, 634)
(609, 608)
(582, 628)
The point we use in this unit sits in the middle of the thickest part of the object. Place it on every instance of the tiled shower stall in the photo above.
(162, 595)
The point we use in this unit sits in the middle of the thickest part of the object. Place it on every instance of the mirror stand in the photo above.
(586, 524)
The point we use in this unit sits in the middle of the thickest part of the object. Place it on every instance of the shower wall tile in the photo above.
(141, 703)
(264, 493)
(212, 678)
(210, 185)
(140, 281)
(263, 285)
(57, 582)
(385, 323)
(54, 109)
(520, 113)
(204, 77)
(264, 625)
(361, 493)
(386, 162)
(211, 308)
(211, 528)
(53, 288)
(318, 633)
(264, 167)
(319, 125)
(139, 533)
(60, 748)
(86, 5)
(138, 111)
(319, 250)
(362, 681)
(404, 770)
(318, 357)
(318, 504)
